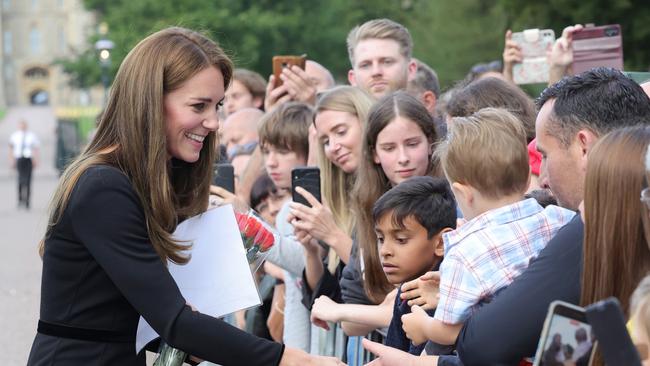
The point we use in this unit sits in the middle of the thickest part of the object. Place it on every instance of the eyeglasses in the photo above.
(645, 197)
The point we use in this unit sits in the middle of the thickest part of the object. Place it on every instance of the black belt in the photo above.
(84, 334)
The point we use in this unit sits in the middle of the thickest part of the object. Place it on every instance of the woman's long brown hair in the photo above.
(615, 250)
(372, 182)
(131, 136)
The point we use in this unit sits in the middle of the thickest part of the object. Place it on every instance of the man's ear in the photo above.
(412, 69)
(429, 101)
(586, 140)
(439, 249)
(351, 79)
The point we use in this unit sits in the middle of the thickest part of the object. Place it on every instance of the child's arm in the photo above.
(420, 327)
(356, 319)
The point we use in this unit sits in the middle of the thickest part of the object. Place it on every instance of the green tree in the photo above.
(450, 36)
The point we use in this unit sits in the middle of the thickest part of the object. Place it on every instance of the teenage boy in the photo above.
(485, 159)
(380, 54)
(283, 140)
(410, 220)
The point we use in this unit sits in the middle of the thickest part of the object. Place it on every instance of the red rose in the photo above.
(265, 240)
(252, 228)
(241, 221)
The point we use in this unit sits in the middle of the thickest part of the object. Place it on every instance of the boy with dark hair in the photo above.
(409, 221)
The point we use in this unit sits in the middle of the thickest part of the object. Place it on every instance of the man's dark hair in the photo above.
(601, 100)
(428, 200)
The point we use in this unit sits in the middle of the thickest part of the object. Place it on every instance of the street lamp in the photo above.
(104, 47)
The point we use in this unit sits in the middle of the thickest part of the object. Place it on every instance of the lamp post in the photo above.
(103, 48)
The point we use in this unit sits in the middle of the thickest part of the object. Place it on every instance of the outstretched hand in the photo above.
(323, 311)
(423, 291)
(387, 356)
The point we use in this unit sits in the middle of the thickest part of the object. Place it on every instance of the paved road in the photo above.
(20, 232)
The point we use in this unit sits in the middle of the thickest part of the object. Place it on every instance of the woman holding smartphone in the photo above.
(109, 234)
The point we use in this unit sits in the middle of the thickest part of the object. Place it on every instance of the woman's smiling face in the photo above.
(191, 113)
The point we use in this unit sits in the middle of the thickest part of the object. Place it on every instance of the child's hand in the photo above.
(415, 325)
(323, 311)
(423, 291)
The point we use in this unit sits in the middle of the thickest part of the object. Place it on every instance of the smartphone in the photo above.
(280, 62)
(307, 178)
(566, 336)
(534, 44)
(608, 323)
(597, 46)
(224, 177)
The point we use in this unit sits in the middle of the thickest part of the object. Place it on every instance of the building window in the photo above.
(62, 45)
(35, 40)
(9, 71)
(7, 42)
(36, 73)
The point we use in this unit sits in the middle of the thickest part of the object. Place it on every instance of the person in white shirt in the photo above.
(23, 155)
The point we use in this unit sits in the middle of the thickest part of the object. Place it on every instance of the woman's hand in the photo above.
(511, 56)
(388, 356)
(324, 310)
(220, 197)
(275, 96)
(423, 291)
(296, 357)
(560, 57)
(311, 245)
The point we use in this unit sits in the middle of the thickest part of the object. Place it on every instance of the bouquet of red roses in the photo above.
(257, 236)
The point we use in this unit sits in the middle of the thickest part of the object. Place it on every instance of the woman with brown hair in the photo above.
(495, 93)
(615, 250)
(109, 235)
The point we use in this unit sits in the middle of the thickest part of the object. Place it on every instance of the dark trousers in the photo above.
(24, 166)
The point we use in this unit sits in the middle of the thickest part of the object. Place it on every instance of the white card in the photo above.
(217, 280)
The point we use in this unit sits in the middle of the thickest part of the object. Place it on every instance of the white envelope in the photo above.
(217, 280)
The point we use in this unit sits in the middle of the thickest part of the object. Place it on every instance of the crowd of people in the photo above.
(447, 222)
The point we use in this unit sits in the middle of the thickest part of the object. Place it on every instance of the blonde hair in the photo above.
(487, 151)
(131, 136)
(380, 29)
(336, 184)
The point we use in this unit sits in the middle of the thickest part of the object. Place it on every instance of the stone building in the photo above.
(34, 34)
